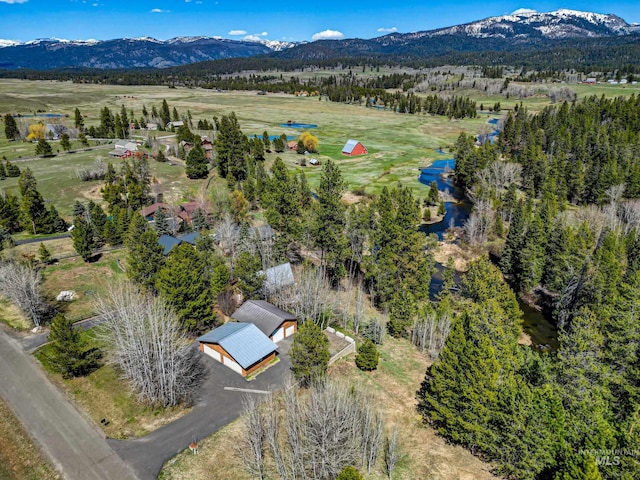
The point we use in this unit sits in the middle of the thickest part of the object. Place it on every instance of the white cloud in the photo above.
(523, 10)
(252, 38)
(237, 32)
(328, 35)
(388, 30)
(11, 2)
(159, 10)
(264, 34)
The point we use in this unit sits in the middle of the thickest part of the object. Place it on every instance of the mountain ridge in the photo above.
(498, 33)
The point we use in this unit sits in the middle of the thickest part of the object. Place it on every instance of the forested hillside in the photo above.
(572, 235)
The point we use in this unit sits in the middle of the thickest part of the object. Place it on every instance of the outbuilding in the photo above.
(242, 347)
(354, 147)
(272, 321)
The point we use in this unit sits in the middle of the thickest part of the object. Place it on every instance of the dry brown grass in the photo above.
(86, 279)
(20, 458)
(12, 316)
(462, 254)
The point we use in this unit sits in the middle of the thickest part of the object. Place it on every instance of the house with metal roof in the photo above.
(242, 347)
(169, 241)
(124, 149)
(276, 278)
(272, 321)
(354, 147)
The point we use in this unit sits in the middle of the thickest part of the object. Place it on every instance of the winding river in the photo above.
(540, 329)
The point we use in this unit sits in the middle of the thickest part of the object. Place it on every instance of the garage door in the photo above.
(279, 335)
(290, 331)
(212, 353)
(232, 365)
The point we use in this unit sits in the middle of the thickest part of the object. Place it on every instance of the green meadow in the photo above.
(398, 144)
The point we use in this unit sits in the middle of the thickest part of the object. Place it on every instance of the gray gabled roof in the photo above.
(189, 238)
(243, 341)
(277, 277)
(168, 242)
(349, 146)
(268, 318)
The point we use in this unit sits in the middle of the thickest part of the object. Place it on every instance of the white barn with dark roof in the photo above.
(274, 322)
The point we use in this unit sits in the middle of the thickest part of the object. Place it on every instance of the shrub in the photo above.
(367, 357)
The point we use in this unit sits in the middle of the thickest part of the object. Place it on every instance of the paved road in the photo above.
(76, 447)
(30, 343)
(214, 408)
(43, 239)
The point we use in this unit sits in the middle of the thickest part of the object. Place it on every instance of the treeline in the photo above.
(575, 151)
(601, 54)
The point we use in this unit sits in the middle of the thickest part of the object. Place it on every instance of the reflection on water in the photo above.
(441, 171)
(539, 327)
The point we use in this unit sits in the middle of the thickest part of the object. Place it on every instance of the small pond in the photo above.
(299, 125)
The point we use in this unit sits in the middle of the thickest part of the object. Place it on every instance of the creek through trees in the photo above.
(536, 324)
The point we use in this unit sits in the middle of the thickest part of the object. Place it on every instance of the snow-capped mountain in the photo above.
(49, 53)
(521, 29)
(559, 24)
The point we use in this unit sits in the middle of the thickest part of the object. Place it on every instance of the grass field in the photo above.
(398, 144)
(20, 458)
(87, 280)
(105, 396)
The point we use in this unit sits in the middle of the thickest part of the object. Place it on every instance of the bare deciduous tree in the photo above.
(477, 226)
(227, 233)
(324, 429)
(20, 283)
(149, 347)
(358, 313)
(430, 333)
(252, 449)
(310, 296)
(391, 453)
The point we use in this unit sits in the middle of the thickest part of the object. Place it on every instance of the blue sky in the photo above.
(24, 20)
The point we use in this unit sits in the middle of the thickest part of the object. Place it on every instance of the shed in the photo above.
(274, 322)
(354, 147)
(240, 346)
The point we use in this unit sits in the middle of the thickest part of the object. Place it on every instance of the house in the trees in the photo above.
(354, 147)
(277, 278)
(152, 126)
(292, 145)
(124, 149)
(170, 241)
(207, 146)
(176, 124)
(274, 322)
(242, 347)
(149, 213)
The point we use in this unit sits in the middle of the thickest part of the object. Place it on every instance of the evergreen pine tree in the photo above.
(367, 357)
(183, 282)
(197, 163)
(83, 241)
(309, 353)
(144, 253)
(11, 130)
(69, 353)
(43, 148)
